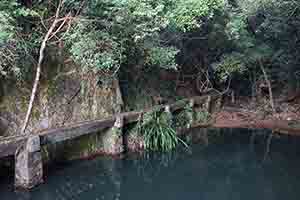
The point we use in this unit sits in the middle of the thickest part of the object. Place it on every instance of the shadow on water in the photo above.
(233, 166)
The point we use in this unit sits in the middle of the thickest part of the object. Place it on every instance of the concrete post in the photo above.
(208, 104)
(168, 111)
(113, 139)
(190, 113)
(28, 164)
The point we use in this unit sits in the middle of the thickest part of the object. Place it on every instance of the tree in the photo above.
(56, 26)
(130, 32)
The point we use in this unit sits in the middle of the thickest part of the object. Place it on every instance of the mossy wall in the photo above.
(81, 147)
(64, 97)
(108, 142)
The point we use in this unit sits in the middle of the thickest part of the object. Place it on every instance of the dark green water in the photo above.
(229, 168)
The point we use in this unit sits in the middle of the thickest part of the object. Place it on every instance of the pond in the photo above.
(232, 166)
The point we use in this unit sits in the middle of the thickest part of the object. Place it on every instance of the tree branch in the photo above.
(269, 85)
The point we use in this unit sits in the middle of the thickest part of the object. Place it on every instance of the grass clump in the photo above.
(158, 132)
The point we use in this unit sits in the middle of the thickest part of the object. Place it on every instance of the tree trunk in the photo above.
(39, 66)
(269, 86)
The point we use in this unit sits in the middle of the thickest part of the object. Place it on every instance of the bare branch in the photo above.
(61, 25)
(269, 85)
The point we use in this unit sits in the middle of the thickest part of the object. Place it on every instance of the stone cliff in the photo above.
(65, 96)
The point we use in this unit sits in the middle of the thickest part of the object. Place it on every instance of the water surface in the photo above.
(230, 168)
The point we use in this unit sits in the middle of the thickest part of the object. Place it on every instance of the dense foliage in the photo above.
(263, 31)
(8, 39)
(130, 32)
(105, 35)
(227, 38)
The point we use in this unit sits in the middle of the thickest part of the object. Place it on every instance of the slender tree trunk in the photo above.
(269, 85)
(38, 70)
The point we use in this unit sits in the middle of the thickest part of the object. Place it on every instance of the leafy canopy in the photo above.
(111, 34)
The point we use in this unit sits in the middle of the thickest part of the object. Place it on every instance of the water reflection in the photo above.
(231, 168)
(97, 179)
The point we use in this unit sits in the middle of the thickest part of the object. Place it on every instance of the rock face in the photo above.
(65, 96)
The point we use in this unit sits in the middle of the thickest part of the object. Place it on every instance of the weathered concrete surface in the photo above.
(108, 140)
(113, 138)
(85, 146)
(28, 164)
